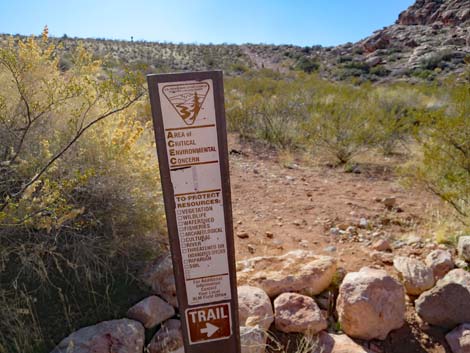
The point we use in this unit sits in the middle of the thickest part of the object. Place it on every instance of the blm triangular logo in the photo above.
(187, 99)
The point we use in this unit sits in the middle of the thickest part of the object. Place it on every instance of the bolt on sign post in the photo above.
(190, 130)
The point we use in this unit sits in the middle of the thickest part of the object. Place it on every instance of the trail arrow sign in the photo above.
(209, 330)
(190, 130)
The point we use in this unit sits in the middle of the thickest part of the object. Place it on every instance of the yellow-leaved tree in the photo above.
(79, 191)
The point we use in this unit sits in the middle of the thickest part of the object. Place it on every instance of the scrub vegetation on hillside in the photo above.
(80, 203)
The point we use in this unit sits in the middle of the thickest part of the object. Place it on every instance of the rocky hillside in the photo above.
(430, 12)
(430, 39)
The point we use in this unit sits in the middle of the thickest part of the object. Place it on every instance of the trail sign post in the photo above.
(190, 130)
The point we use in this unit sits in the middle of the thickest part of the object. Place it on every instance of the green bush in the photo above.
(266, 109)
(340, 122)
(436, 59)
(393, 115)
(444, 166)
(380, 71)
(307, 65)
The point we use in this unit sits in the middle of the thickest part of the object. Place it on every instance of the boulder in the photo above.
(460, 263)
(370, 304)
(330, 343)
(373, 61)
(151, 311)
(252, 339)
(383, 257)
(448, 303)
(382, 245)
(459, 339)
(440, 262)
(159, 276)
(296, 271)
(376, 41)
(463, 248)
(169, 339)
(416, 276)
(254, 307)
(298, 313)
(117, 336)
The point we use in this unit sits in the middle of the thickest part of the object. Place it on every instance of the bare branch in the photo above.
(71, 142)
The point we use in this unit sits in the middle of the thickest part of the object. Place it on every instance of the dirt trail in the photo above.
(263, 62)
(277, 209)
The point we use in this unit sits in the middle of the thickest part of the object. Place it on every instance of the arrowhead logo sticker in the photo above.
(187, 99)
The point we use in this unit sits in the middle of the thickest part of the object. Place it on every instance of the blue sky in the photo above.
(300, 22)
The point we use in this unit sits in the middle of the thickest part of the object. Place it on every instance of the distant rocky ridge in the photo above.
(429, 12)
(430, 39)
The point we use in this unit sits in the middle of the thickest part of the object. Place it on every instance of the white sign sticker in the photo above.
(190, 129)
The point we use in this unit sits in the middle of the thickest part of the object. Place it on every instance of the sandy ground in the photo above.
(278, 208)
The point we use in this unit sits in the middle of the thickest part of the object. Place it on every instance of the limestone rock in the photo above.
(448, 303)
(382, 245)
(377, 41)
(296, 271)
(252, 339)
(151, 311)
(440, 261)
(330, 343)
(416, 276)
(117, 336)
(373, 61)
(254, 307)
(298, 313)
(460, 263)
(463, 248)
(159, 276)
(459, 339)
(370, 304)
(389, 202)
(383, 257)
(169, 339)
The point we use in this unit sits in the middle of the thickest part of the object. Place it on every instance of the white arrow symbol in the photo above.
(209, 329)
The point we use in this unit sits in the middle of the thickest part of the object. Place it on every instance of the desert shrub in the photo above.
(423, 74)
(436, 59)
(307, 65)
(270, 107)
(273, 119)
(357, 65)
(340, 122)
(78, 193)
(344, 59)
(18, 312)
(352, 69)
(239, 68)
(380, 71)
(393, 115)
(444, 163)
(65, 63)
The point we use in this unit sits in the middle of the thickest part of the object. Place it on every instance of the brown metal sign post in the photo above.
(190, 130)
